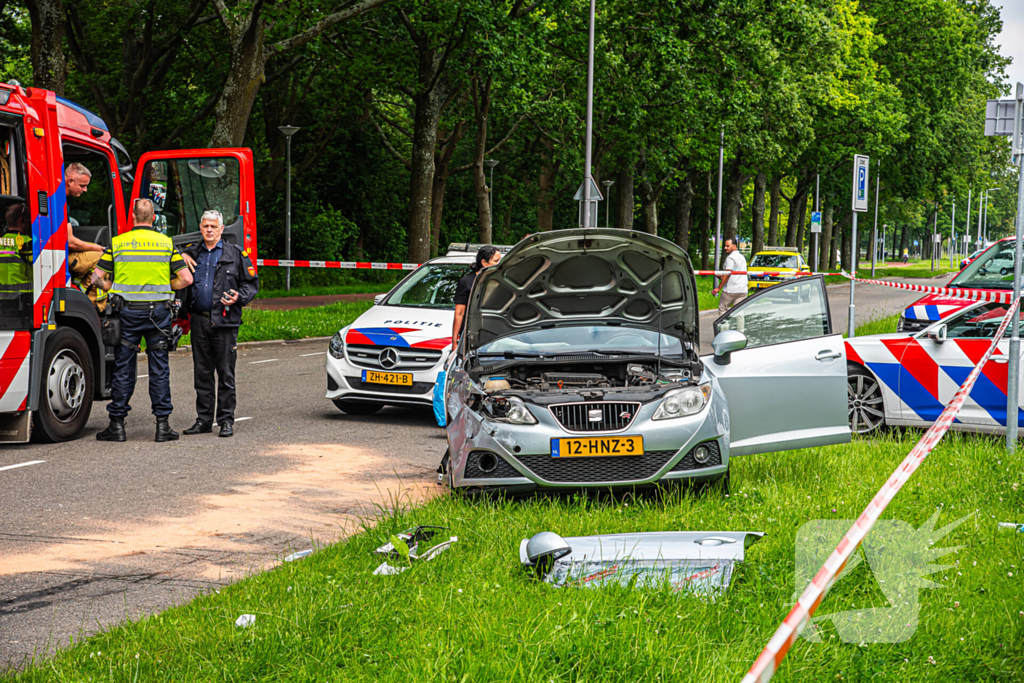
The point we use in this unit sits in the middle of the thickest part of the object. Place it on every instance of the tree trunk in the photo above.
(801, 207)
(684, 205)
(546, 186)
(903, 242)
(481, 111)
(49, 68)
(775, 210)
(735, 183)
(833, 238)
(246, 61)
(649, 206)
(757, 234)
(421, 181)
(846, 249)
(825, 259)
(705, 225)
(436, 211)
(624, 183)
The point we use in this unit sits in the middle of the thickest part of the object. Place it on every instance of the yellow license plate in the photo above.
(597, 446)
(402, 379)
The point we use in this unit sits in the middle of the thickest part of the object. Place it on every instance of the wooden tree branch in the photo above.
(387, 145)
(300, 39)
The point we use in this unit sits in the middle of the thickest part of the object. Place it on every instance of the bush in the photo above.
(326, 235)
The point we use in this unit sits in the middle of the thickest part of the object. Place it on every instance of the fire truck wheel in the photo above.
(358, 407)
(65, 397)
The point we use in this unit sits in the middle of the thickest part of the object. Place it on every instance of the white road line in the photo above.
(143, 376)
(22, 464)
(269, 360)
(318, 353)
(239, 419)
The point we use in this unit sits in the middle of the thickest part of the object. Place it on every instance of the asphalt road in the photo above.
(96, 533)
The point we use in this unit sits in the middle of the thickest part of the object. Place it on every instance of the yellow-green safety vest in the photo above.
(142, 270)
(15, 272)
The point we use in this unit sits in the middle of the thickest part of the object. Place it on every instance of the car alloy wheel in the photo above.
(866, 409)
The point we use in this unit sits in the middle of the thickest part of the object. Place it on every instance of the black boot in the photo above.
(199, 427)
(114, 431)
(164, 431)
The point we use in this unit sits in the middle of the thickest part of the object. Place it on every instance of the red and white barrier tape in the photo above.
(723, 273)
(951, 292)
(360, 265)
(795, 622)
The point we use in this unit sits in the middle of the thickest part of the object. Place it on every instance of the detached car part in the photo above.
(692, 561)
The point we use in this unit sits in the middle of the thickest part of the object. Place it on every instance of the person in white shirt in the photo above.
(733, 288)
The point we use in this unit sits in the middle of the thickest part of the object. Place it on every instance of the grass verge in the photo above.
(325, 290)
(473, 615)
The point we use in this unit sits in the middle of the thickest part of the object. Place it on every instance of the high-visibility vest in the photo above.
(142, 270)
(15, 271)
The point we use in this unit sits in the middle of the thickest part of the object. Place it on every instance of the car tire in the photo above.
(66, 391)
(357, 407)
(864, 401)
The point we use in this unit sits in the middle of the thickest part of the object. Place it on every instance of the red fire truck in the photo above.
(53, 363)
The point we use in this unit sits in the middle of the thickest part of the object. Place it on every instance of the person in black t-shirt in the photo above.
(485, 256)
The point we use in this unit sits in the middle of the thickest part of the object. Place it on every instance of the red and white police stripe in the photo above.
(348, 265)
(795, 622)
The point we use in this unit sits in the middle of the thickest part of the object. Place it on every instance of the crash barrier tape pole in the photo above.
(951, 292)
(797, 619)
(337, 264)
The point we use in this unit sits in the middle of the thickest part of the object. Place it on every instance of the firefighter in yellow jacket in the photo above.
(143, 268)
(16, 255)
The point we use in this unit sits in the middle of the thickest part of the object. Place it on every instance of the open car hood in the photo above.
(585, 276)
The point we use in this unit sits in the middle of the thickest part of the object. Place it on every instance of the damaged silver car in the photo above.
(580, 366)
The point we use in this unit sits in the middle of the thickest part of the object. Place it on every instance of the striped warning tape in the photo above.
(795, 622)
(723, 273)
(951, 292)
(367, 265)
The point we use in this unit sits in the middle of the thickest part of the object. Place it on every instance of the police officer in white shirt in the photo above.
(733, 288)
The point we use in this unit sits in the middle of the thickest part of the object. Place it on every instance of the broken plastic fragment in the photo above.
(412, 539)
(386, 569)
(299, 555)
(245, 620)
(695, 561)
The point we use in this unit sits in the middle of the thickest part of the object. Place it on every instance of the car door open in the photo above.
(786, 388)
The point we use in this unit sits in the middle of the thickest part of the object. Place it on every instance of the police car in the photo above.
(392, 353)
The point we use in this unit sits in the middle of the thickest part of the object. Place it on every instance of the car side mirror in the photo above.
(377, 299)
(725, 343)
(938, 335)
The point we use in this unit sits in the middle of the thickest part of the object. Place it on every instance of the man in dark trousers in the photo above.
(224, 281)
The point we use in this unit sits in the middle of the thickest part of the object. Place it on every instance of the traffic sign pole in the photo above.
(861, 169)
(1013, 371)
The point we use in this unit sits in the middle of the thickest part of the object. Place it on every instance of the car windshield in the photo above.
(774, 261)
(431, 286)
(584, 339)
(992, 270)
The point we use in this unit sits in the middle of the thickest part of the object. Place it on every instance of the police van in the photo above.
(53, 362)
(392, 353)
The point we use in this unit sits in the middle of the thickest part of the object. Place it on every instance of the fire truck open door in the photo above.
(182, 184)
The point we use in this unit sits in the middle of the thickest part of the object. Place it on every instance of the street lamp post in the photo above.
(490, 164)
(608, 198)
(952, 235)
(718, 211)
(288, 132)
(874, 229)
(590, 119)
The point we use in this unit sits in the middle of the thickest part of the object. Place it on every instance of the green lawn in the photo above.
(474, 615)
(323, 290)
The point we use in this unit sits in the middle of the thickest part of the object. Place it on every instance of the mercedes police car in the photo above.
(392, 353)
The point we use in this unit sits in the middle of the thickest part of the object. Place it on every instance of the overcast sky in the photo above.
(1011, 40)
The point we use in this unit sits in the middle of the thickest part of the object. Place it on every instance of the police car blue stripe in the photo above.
(382, 336)
(932, 312)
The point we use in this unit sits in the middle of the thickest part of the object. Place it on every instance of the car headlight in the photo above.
(900, 324)
(683, 402)
(511, 410)
(337, 346)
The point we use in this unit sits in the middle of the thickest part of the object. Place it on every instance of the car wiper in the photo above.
(511, 354)
(621, 352)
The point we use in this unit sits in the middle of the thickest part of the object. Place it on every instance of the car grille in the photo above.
(366, 356)
(595, 470)
(417, 387)
(575, 417)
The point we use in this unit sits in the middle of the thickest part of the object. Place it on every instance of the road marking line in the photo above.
(318, 353)
(22, 464)
(143, 376)
(269, 360)
(239, 419)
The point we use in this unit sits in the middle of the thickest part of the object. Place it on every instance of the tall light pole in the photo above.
(288, 132)
(608, 198)
(1013, 369)
(816, 237)
(987, 193)
(718, 211)
(491, 163)
(952, 235)
(967, 224)
(590, 118)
